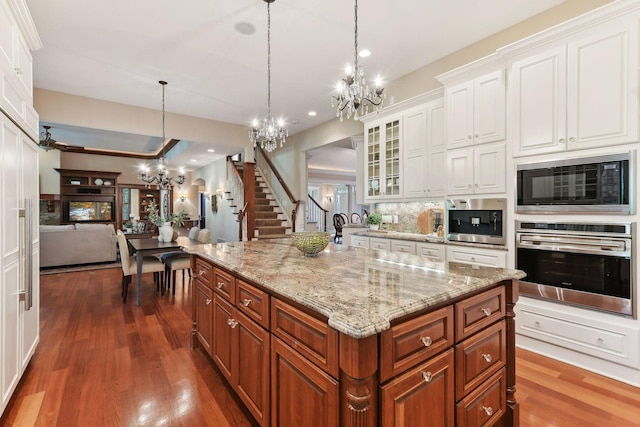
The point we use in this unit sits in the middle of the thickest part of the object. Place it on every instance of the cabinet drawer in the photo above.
(477, 312)
(479, 357)
(308, 335)
(253, 302)
(485, 405)
(487, 258)
(360, 242)
(409, 343)
(436, 252)
(225, 285)
(384, 244)
(204, 272)
(403, 246)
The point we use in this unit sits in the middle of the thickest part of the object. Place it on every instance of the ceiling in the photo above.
(213, 53)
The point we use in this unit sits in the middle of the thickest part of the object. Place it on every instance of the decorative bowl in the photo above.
(311, 243)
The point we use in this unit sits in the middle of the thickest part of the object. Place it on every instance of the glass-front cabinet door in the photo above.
(383, 156)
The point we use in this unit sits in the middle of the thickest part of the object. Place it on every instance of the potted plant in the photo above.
(128, 227)
(166, 225)
(374, 220)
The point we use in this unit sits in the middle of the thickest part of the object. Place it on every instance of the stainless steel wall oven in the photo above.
(587, 265)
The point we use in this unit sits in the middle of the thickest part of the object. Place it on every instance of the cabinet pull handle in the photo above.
(487, 357)
(572, 139)
(426, 341)
(600, 341)
(208, 301)
(561, 140)
(538, 324)
(201, 272)
(246, 302)
(427, 377)
(232, 322)
(487, 410)
(486, 311)
(220, 285)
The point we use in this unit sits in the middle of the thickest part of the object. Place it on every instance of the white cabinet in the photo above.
(383, 156)
(377, 243)
(580, 94)
(433, 251)
(477, 256)
(359, 242)
(19, 260)
(403, 246)
(476, 111)
(424, 145)
(480, 170)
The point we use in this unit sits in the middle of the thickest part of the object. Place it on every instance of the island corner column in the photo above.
(358, 381)
(513, 407)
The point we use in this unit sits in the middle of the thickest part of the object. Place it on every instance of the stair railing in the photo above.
(241, 221)
(235, 187)
(316, 213)
(274, 180)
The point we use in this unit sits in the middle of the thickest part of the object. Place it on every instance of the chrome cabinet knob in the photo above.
(232, 322)
(220, 285)
(208, 301)
(486, 311)
(201, 272)
(487, 357)
(427, 377)
(487, 410)
(246, 302)
(572, 139)
(561, 141)
(426, 341)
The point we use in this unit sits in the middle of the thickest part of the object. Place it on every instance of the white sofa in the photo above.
(77, 244)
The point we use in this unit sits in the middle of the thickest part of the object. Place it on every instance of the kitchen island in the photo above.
(357, 337)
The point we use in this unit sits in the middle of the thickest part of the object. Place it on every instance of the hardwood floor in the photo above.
(104, 363)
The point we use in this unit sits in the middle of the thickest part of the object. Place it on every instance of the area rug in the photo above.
(75, 268)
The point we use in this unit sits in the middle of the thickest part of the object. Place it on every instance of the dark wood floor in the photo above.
(104, 363)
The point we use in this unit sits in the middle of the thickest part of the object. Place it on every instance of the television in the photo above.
(90, 211)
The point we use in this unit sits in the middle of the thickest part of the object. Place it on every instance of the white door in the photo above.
(489, 108)
(460, 172)
(538, 103)
(489, 165)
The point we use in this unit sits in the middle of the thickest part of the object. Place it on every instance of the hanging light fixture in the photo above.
(162, 179)
(46, 141)
(270, 132)
(354, 94)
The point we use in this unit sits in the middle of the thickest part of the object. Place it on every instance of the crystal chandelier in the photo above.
(269, 132)
(162, 179)
(354, 94)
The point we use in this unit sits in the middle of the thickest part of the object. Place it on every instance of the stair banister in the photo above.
(292, 202)
(316, 205)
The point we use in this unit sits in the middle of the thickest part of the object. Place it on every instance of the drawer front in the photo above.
(494, 258)
(431, 251)
(403, 246)
(477, 312)
(485, 405)
(225, 285)
(204, 272)
(384, 244)
(360, 242)
(308, 335)
(405, 345)
(253, 302)
(479, 357)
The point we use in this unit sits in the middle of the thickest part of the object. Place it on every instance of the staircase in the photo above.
(270, 222)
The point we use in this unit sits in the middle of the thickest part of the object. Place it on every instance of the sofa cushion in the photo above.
(57, 227)
(95, 227)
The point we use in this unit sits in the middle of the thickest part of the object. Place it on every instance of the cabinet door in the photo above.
(392, 160)
(602, 99)
(538, 103)
(416, 173)
(252, 371)
(204, 315)
(7, 34)
(460, 115)
(489, 108)
(436, 139)
(301, 393)
(373, 160)
(460, 172)
(489, 175)
(414, 139)
(224, 340)
(422, 396)
(436, 174)
(24, 68)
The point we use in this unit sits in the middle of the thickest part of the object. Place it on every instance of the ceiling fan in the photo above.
(46, 141)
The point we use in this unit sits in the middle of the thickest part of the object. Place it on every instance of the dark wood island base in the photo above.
(449, 364)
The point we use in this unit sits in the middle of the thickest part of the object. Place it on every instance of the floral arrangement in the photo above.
(176, 219)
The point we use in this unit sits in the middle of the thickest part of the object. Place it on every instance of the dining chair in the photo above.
(175, 261)
(355, 218)
(150, 264)
(193, 232)
(204, 236)
(338, 222)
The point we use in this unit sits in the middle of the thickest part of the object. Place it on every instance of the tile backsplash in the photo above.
(407, 213)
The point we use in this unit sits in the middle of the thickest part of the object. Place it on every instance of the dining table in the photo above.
(143, 247)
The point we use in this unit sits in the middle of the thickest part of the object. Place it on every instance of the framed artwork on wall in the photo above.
(214, 203)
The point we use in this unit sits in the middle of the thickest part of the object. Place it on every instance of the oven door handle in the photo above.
(574, 244)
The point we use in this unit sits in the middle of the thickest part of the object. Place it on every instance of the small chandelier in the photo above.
(162, 179)
(354, 94)
(270, 132)
(46, 141)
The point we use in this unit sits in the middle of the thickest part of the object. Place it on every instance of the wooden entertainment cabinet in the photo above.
(84, 186)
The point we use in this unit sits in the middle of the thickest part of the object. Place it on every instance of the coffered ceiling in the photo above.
(213, 53)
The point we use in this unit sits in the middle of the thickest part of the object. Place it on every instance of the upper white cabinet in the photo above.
(476, 110)
(383, 159)
(481, 170)
(582, 92)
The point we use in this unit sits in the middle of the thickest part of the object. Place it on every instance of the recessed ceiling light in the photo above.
(211, 150)
(364, 53)
(193, 160)
(312, 113)
(245, 28)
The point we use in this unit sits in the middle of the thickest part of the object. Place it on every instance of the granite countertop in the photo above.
(429, 238)
(359, 291)
(354, 225)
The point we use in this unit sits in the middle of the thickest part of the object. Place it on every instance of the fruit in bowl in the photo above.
(311, 243)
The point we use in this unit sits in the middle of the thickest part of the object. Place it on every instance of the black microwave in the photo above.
(585, 185)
